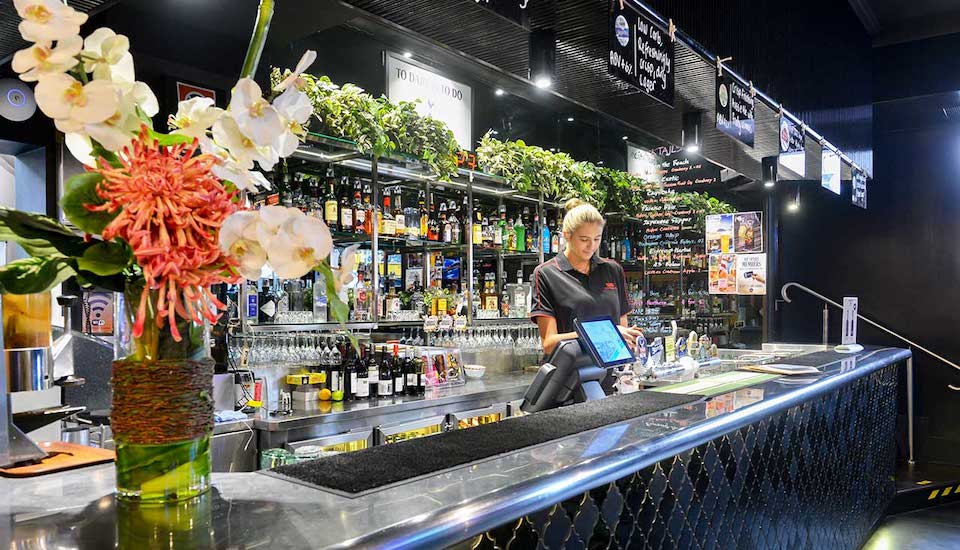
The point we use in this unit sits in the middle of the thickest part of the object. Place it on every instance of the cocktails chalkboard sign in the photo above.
(680, 169)
(641, 52)
(735, 103)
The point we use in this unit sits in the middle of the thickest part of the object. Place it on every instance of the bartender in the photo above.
(577, 283)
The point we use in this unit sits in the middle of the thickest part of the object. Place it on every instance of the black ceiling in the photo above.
(896, 21)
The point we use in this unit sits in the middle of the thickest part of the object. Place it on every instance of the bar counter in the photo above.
(788, 463)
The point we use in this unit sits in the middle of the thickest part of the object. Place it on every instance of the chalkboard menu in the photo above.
(680, 169)
(735, 109)
(664, 218)
(641, 52)
(859, 196)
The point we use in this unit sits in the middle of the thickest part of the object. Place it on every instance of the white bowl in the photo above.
(474, 371)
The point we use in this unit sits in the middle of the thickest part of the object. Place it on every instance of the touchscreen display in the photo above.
(606, 339)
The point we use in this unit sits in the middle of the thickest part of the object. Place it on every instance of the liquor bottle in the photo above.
(369, 217)
(330, 203)
(477, 226)
(268, 304)
(545, 237)
(511, 242)
(627, 248)
(399, 216)
(392, 301)
(388, 224)
(412, 219)
(359, 212)
(346, 208)
(555, 242)
(433, 223)
(385, 387)
(410, 373)
(349, 374)
(397, 368)
(563, 240)
(534, 233)
(457, 225)
(361, 389)
(424, 216)
(498, 232)
(419, 367)
(486, 231)
(284, 184)
(320, 300)
(361, 310)
(252, 301)
(446, 234)
(521, 230)
(314, 196)
(373, 372)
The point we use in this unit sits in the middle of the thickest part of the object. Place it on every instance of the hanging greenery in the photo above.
(378, 126)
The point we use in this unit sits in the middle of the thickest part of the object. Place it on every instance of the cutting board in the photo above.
(62, 456)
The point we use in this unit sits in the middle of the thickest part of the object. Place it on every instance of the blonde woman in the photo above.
(577, 283)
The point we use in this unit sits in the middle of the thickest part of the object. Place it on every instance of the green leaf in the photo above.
(169, 140)
(116, 283)
(106, 258)
(337, 308)
(81, 190)
(33, 275)
(144, 118)
(38, 234)
(109, 156)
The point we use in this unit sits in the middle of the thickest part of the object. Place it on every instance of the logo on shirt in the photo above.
(610, 286)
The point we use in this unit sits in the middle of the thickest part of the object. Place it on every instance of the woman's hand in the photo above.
(630, 334)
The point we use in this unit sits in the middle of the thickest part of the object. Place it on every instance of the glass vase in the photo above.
(162, 414)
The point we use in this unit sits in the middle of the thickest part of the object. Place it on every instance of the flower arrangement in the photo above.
(162, 220)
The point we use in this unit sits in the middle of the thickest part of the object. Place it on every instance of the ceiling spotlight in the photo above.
(690, 135)
(499, 91)
(625, 138)
(543, 57)
(408, 55)
(600, 162)
(768, 168)
(793, 206)
(569, 119)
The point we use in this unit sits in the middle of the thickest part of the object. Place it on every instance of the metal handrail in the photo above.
(783, 292)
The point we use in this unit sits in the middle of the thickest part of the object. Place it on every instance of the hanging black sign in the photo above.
(859, 197)
(641, 52)
(734, 109)
(680, 169)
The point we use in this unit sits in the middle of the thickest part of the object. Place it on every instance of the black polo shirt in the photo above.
(562, 292)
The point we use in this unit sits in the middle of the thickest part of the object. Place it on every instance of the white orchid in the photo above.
(349, 260)
(106, 54)
(246, 180)
(306, 60)
(243, 151)
(238, 237)
(72, 104)
(48, 20)
(43, 58)
(195, 116)
(300, 245)
(255, 117)
(115, 132)
(295, 108)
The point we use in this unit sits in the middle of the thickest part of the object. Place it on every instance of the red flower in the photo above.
(170, 209)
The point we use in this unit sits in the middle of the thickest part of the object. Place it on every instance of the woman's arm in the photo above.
(548, 333)
(630, 334)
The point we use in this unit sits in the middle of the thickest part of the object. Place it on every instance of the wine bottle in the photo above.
(398, 378)
(361, 390)
(386, 376)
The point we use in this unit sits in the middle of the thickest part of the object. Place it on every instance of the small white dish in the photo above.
(474, 371)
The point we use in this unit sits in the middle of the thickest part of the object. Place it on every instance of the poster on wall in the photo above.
(859, 196)
(792, 146)
(643, 164)
(680, 169)
(722, 273)
(641, 52)
(751, 274)
(719, 233)
(747, 232)
(187, 91)
(441, 98)
(830, 177)
(734, 105)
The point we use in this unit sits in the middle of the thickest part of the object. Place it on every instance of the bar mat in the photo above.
(382, 465)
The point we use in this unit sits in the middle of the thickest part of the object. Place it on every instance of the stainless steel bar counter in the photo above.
(789, 463)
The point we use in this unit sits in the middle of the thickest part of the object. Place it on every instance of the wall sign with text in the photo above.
(643, 164)
(830, 176)
(793, 142)
(735, 104)
(441, 98)
(859, 196)
(641, 52)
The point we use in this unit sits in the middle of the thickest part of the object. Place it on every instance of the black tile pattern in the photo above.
(818, 475)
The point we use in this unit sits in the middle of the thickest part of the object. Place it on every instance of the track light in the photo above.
(569, 119)
(769, 167)
(499, 91)
(690, 137)
(794, 205)
(408, 55)
(625, 138)
(543, 57)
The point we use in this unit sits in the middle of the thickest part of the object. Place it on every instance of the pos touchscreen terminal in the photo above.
(579, 370)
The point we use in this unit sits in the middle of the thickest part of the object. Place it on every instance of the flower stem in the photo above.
(258, 39)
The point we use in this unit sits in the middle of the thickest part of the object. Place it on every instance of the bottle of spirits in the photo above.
(397, 368)
(252, 301)
(521, 230)
(285, 196)
(330, 203)
(412, 221)
(346, 207)
(446, 230)
(545, 237)
(268, 304)
(510, 229)
(359, 212)
(457, 224)
(399, 216)
(386, 376)
(433, 224)
(627, 248)
(486, 231)
(388, 225)
(555, 242)
(392, 301)
(477, 226)
(559, 231)
(361, 389)
(501, 223)
(361, 310)
(319, 300)
(314, 196)
(369, 217)
(424, 216)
